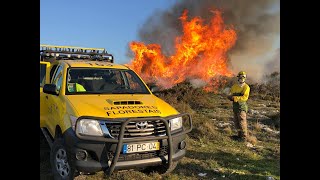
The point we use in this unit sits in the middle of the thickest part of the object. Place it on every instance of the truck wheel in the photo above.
(162, 169)
(60, 164)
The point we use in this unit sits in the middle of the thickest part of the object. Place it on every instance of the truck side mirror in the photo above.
(50, 89)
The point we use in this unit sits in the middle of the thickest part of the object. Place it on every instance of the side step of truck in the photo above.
(47, 136)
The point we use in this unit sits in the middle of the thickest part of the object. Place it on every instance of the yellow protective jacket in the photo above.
(76, 88)
(240, 97)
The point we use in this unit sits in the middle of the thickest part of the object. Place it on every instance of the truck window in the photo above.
(58, 82)
(54, 67)
(104, 81)
(58, 70)
(133, 81)
(43, 68)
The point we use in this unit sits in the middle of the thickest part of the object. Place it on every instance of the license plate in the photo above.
(140, 147)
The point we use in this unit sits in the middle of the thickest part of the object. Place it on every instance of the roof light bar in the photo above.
(72, 52)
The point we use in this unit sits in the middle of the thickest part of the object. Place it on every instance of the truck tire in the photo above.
(61, 167)
(162, 169)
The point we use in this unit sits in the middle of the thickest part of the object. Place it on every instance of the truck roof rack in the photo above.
(52, 52)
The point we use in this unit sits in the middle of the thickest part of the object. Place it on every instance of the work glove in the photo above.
(230, 98)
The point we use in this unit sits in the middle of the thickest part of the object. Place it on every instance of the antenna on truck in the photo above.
(71, 52)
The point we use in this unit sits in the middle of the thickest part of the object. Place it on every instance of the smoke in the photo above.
(197, 83)
(257, 23)
(274, 64)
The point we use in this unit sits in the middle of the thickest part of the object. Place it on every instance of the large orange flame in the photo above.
(200, 53)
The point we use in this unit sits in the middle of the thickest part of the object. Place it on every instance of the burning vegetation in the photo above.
(200, 53)
(206, 41)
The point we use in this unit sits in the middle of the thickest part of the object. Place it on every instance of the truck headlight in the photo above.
(176, 123)
(89, 127)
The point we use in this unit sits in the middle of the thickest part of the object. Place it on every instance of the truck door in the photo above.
(44, 79)
(56, 104)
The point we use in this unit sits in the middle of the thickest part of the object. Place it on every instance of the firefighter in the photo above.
(74, 87)
(239, 95)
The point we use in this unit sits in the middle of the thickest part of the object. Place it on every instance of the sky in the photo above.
(109, 24)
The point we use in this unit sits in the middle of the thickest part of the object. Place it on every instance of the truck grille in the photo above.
(154, 128)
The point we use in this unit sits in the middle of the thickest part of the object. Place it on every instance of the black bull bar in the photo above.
(186, 120)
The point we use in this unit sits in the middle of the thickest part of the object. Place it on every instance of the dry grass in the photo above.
(184, 92)
(266, 91)
(252, 139)
(202, 128)
(228, 130)
(276, 120)
(257, 127)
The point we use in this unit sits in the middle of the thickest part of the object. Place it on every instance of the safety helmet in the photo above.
(242, 73)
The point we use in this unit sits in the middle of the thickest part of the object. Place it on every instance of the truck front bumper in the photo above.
(89, 154)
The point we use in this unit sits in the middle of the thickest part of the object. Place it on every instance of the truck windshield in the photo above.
(103, 81)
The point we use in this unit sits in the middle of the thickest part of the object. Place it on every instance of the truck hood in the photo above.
(119, 106)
